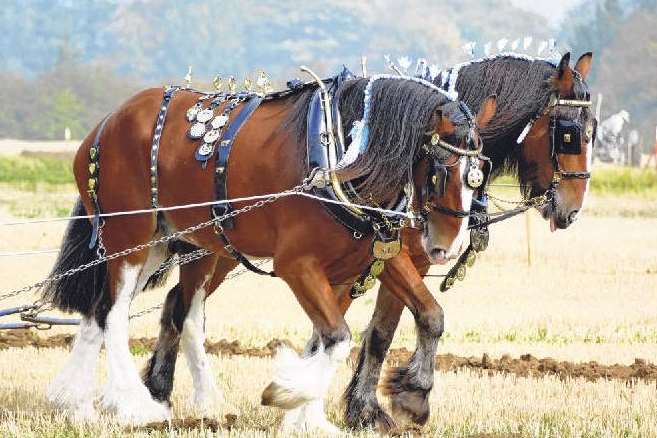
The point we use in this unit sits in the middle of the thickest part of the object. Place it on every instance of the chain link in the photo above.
(152, 243)
(536, 201)
(228, 277)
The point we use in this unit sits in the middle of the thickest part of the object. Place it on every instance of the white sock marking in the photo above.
(193, 339)
(308, 379)
(124, 392)
(74, 388)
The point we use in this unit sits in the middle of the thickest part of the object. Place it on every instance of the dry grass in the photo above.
(590, 294)
(463, 404)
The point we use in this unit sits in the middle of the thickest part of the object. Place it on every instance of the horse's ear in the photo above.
(564, 79)
(487, 111)
(583, 65)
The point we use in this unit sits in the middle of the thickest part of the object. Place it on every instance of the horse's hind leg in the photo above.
(298, 381)
(74, 388)
(182, 319)
(124, 393)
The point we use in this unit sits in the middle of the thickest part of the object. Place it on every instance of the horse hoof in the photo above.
(206, 403)
(368, 414)
(281, 397)
(135, 407)
(309, 417)
(407, 401)
(411, 406)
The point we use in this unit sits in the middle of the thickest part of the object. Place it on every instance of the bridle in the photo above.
(437, 178)
(565, 138)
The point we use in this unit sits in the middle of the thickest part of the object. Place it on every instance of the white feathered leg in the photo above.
(125, 394)
(206, 394)
(301, 384)
(74, 388)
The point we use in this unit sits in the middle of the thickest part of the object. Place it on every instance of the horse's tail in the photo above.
(82, 291)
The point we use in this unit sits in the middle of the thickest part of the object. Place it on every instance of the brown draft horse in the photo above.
(311, 251)
(526, 90)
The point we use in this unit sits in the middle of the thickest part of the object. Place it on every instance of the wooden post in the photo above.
(528, 226)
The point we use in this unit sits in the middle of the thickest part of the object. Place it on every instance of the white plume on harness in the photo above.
(360, 131)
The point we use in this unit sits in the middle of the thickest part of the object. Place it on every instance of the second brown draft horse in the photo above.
(412, 126)
(543, 132)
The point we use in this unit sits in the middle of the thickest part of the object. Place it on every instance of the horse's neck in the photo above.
(505, 141)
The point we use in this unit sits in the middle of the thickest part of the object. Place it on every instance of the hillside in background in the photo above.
(157, 39)
(66, 63)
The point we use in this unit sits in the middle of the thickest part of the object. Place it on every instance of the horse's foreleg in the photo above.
(158, 374)
(305, 380)
(315, 408)
(362, 407)
(409, 386)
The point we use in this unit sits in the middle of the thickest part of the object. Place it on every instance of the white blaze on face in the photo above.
(589, 164)
(466, 201)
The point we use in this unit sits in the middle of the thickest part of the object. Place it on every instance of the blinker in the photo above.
(439, 178)
(566, 137)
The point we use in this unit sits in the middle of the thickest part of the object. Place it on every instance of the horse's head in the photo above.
(448, 175)
(558, 148)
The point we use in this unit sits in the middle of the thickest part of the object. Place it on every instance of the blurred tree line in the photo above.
(71, 95)
(65, 63)
(623, 38)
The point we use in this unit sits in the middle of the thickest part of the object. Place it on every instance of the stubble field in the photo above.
(590, 294)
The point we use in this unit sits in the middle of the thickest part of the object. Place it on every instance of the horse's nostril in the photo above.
(437, 253)
(572, 217)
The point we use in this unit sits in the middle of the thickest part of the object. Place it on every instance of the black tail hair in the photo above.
(83, 291)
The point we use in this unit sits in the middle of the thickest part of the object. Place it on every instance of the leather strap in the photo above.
(225, 146)
(240, 258)
(157, 135)
(93, 194)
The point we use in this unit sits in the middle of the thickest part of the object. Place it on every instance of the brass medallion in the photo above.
(386, 250)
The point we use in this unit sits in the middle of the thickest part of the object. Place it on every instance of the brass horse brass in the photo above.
(386, 250)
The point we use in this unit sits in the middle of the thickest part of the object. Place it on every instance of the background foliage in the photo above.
(67, 63)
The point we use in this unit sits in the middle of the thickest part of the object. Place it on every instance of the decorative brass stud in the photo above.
(232, 84)
(248, 85)
(470, 259)
(92, 169)
(377, 268)
(566, 138)
(460, 272)
(218, 83)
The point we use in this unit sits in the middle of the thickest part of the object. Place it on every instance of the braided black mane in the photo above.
(523, 88)
(401, 111)
(399, 119)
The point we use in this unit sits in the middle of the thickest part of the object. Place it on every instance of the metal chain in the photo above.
(177, 260)
(228, 277)
(531, 202)
(152, 243)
